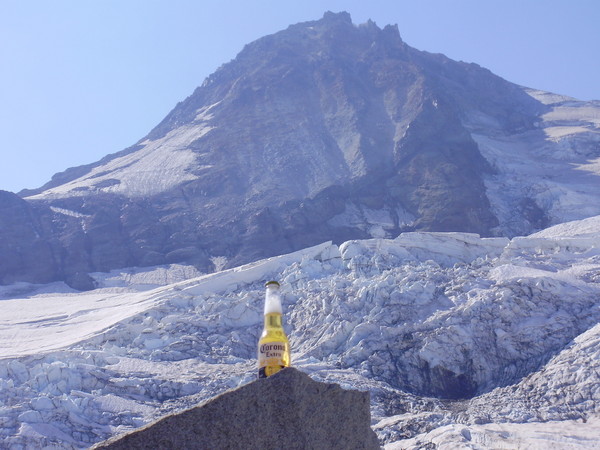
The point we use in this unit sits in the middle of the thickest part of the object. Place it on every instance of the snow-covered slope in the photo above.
(155, 167)
(462, 341)
(585, 227)
(555, 165)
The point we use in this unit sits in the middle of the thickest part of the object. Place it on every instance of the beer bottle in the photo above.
(273, 345)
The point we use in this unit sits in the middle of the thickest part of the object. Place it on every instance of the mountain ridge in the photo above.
(324, 131)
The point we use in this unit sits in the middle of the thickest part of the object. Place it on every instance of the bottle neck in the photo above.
(273, 320)
(273, 300)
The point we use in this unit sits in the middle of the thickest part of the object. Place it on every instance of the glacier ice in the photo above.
(460, 340)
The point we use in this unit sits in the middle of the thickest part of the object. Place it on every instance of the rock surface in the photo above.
(26, 252)
(287, 410)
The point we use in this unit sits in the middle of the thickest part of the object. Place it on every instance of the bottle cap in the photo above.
(272, 283)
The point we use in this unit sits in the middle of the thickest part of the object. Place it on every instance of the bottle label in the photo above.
(271, 354)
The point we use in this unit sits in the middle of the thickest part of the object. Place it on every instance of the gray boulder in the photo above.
(288, 410)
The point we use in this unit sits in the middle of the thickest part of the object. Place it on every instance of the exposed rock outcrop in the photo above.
(26, 253)
(285, 411)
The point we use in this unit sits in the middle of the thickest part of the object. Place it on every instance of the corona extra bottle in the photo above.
(273, 345)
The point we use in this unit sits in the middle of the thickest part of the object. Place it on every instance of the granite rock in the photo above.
(285, 411)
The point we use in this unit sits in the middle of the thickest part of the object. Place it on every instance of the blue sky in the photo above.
(81, 79)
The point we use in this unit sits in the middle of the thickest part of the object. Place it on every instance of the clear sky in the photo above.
(80, 79)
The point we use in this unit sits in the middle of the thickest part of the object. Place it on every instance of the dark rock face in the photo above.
(39, 245)
(27, 254)
(287, 410)
(324, 131)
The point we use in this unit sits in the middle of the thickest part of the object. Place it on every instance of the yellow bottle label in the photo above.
(273, 347)
(272, 354)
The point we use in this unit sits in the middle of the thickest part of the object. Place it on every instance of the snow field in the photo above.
(155, 167)
(554, 165)
(510, 325)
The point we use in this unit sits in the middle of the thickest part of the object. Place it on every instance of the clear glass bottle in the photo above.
(273, 345)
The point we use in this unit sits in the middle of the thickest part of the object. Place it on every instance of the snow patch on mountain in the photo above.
(158, 166)
(585, 227)
(548, 98)
(68, 212)
(558, 173)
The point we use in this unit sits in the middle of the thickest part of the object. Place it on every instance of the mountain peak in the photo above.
(332, 17)
(323, 131)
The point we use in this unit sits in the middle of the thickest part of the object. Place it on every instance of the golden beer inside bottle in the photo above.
(273, 346)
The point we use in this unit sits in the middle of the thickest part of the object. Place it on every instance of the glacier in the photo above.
(555, 163)
(462, 341)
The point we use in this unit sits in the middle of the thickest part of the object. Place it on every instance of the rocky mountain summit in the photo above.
(323, 131)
